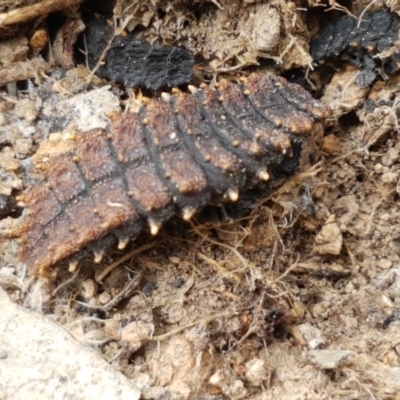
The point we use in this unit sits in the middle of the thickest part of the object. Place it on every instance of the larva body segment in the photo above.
(175, 155)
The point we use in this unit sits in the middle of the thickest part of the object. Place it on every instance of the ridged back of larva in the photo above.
(174, 156)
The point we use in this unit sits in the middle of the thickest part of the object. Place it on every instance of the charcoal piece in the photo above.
(177, 154)
(394, 316)
(368, 41)
(136, 62)
(5, 206)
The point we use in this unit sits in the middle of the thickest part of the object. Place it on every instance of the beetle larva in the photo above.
(178, 153)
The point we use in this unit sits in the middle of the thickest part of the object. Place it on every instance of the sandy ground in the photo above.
(293, 295)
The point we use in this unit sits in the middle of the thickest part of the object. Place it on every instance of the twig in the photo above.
(164, 336)
(124, 293)
(23, 14)
(116, 263)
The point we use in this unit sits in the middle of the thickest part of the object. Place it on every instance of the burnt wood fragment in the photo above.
(368, 41)
(134, 62)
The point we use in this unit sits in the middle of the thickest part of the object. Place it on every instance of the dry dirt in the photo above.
(293, 294)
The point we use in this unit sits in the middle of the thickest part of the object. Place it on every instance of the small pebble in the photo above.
(389, 177)
(104, 298)
(330, 145)
(384, 263)
(7, 270)
(312, 335)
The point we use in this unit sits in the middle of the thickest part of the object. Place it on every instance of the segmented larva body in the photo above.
(175, 155)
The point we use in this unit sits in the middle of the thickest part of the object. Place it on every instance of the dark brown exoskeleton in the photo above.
(175, 155)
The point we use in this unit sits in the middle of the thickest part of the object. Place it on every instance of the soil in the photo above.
(290, 294)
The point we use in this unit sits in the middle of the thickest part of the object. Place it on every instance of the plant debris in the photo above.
(238, 303)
